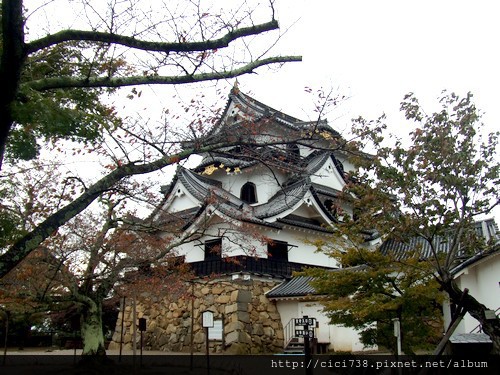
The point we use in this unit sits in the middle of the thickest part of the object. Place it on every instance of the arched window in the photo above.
(249, 193)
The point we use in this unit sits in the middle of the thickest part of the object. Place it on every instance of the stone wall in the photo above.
(251, 323)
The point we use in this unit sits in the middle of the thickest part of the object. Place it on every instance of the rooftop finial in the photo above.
(236, 88)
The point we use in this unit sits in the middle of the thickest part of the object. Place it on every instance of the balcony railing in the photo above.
(235, 264)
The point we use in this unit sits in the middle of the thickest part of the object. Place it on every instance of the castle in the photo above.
(255, 211)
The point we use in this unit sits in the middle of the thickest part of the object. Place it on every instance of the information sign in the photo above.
(207, 319)
(304, 333)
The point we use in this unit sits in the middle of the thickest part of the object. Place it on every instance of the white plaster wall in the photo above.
(250, 242)
(340, 338)
(482, 281)
(302, 250)
(182, 199)
(267, 184)
(329, 176)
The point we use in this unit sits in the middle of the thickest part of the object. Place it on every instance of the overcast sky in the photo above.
(377, 51)
(374, 51)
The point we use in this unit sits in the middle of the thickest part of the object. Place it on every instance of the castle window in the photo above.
(249, 193)
(213, 249)
(277, 250)
(332, 207)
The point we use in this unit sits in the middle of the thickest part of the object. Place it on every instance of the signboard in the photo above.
(304, 333)
(207, 319)
(215, 332)
(305, 321)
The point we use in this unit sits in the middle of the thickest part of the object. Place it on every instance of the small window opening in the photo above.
(249, 193)
(213, 249)
(277, 250)
(332, 207)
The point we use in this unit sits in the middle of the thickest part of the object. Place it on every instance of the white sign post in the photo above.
(207, 321)
(397, 334)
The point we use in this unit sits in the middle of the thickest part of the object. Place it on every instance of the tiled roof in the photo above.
(304, 222)
(300, 286)
(226, 161)
(295, 287)
(177, 220)
(476, 258)
(488, 229)
(204, 189)
(259, 110)
(470, 338)
(327, 191)
(285, 199)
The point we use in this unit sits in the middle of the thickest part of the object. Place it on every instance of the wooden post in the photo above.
(6, 336)
(207, 351)
(307, 346)
(457, 318)
(207, 320)
(121, 331)
(134, 329)
(191, 351)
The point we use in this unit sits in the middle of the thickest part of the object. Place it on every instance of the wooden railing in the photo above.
(235, 264)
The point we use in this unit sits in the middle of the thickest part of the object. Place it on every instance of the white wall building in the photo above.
(255, 209)
(479, 274)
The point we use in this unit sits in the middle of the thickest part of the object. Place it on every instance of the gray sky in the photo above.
(372, 51)
(377, 51)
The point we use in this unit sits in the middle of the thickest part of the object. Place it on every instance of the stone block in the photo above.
(234, 307)
(176, 347)
(243, 316)
(257, 329)
(173, 339)
(223, 299)
(263, 315)
(116, 336)
(275, 316)
(234, 296)
(199, 337)
(244, 296)
(209, 299)
(217, 290)
(234, 326)
(238, 348)
(171, 328)
(268, 331)
(114, 345)
(238, 337)
(162, 340)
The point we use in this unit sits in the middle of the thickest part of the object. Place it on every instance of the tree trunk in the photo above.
(11, 63)
(91, 330)
(477, 310)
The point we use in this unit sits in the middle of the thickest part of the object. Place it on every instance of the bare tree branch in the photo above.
(70, 82)
(127, 41)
